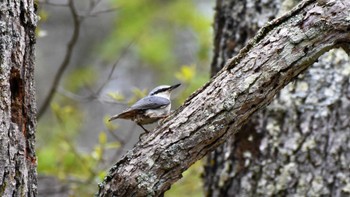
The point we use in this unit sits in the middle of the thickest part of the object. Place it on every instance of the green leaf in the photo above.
(102, 138)
(186, 73)
(155, 49)
(113, 145)
(101, 175)
(110, 125)
(97, 153)
(138, 94)
(47, 160)
(80, 77)
(116, 96)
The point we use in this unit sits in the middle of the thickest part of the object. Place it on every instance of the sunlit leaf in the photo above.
(102, 138)
(116, 96)
(47, 160)
(186, 73)
(112, 145)
(111, 126)
(101, 175)
(97, 153)
(190, 184)
(137, 94)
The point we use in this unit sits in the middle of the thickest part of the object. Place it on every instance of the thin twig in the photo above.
(77, 21)
(124, 51)
(106, 11)
(47, 2)
(93, 4)
(88, 98)
(122, 142)
(66, 61)
(73, 96)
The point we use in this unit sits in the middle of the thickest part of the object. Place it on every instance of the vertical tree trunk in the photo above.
(235, 23)
(18, 107)
(300, 144)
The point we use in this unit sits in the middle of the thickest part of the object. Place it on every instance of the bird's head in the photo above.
(163, 90)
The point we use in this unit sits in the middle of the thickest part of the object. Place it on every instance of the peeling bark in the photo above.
(18, 107)
(279, 52)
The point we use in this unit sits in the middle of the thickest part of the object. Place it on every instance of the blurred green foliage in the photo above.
(79, 78)
(190, 185)
(155, 29)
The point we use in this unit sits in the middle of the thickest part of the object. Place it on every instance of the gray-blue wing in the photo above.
(150, 102)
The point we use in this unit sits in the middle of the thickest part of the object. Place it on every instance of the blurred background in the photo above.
(94, 59)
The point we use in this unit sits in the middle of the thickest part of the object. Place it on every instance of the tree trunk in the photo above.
(297, 146)
(236, 22)
(280, 52)
(247, 17)
(18, 107)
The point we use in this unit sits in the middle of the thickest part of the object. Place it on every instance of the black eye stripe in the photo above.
(160, 90)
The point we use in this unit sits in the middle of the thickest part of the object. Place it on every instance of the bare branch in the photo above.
(48, 2)
(121, 55)
(66, 60)
(93, 5)
(122, 142)
(97, 13)
(75, 97)
(77, 21)
(96, 95)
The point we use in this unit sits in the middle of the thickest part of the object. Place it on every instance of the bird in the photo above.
(155, 106)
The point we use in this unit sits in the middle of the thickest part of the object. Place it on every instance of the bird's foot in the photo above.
(142, 135)
(143, 128)
(161, 121)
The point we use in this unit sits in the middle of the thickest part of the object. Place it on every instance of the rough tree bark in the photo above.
(236, 22)
(247, 17)
(18, 107)
(271, 155)
(279, 52)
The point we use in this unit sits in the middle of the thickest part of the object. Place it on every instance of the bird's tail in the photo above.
(114, 117)
(123, 115)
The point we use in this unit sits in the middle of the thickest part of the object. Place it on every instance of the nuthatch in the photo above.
(151, 108)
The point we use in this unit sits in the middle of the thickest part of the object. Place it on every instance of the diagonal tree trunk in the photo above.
(18, 107)
(298, 144)
(279, 53)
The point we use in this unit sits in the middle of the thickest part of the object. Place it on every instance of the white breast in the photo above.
(161, 112)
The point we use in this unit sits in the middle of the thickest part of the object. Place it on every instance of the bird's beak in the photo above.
(174, 86)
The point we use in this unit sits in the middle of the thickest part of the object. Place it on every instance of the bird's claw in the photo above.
(161, 121)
